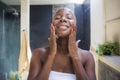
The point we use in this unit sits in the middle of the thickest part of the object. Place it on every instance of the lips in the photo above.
(62, 27)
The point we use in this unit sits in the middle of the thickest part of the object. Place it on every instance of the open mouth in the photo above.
(62, 27)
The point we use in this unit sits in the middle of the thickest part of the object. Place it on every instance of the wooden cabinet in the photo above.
(108, 70)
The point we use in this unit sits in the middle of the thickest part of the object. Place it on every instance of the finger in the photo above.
(71, 32)
(73, 35)
(70, 36)
(75, 28)
(77, 42)
(52, 30)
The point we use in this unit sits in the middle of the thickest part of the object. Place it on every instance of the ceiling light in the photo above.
(79, 1)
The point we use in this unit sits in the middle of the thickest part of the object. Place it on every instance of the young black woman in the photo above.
(62, 60)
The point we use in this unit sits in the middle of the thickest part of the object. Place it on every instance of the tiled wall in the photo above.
(9, 40)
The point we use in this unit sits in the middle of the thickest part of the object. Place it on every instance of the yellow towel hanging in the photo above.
(25, 54)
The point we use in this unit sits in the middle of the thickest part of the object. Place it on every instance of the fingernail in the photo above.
(51, 26)
(72, 29)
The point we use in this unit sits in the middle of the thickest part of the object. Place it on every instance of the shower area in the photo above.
(9, 40)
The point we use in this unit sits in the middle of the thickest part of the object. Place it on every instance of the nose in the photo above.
(63, 19)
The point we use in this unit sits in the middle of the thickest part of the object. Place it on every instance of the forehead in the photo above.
(64, 11)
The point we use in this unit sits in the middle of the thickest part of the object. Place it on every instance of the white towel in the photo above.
(61, 76)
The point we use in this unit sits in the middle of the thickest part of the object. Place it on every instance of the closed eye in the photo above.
(69, 17)
(57, 17)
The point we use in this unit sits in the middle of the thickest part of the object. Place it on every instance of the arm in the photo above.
(35, 65)
(87, 73)
(90, 68)
(42, 73)
(37, 70)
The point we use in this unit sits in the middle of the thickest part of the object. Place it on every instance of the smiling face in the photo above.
(63, 21)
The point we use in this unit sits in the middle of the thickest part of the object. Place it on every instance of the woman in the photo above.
(62, 60)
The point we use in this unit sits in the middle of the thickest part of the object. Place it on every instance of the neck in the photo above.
(62, 45)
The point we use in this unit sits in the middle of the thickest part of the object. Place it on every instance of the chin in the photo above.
(62, 35)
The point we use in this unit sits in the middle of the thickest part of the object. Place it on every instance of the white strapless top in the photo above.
(61, 76)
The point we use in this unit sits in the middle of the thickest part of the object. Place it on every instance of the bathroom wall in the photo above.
(105, 22)
(105, 26)
(9, 40)
(97, 22)
(112, 21)
(2, 6)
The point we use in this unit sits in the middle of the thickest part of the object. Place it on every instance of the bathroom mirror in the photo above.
(9, 37)
(41, 13)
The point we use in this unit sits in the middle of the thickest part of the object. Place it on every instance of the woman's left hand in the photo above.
(73, 44)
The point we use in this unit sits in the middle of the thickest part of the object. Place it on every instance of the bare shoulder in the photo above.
(40, 53)
(85, 54)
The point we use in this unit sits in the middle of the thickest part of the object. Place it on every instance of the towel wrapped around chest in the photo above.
(61, 76)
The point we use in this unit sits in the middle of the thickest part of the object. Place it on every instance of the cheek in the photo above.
(55, 23)
(73, 26)
(72, 23)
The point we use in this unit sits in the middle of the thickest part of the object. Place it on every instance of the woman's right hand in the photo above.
(52, 40)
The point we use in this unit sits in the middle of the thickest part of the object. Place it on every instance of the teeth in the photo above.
(62, 27)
